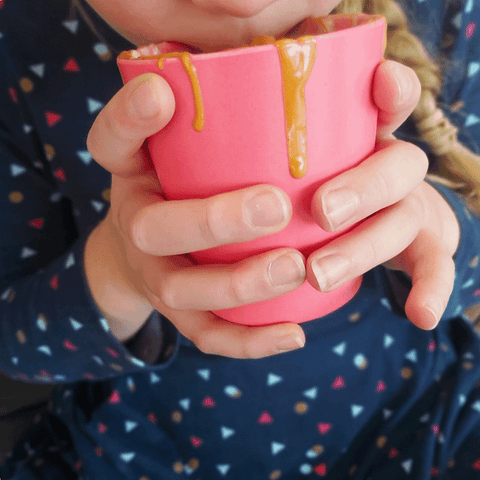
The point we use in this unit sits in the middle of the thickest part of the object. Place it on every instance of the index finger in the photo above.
(396, 92)
(141, 108)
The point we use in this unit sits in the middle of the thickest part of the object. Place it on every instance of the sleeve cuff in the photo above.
(53, 331)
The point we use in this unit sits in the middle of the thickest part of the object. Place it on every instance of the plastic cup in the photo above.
(242, 139)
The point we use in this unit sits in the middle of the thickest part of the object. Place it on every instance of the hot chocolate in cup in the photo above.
(292, 112)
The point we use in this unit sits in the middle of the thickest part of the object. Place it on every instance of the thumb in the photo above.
(141, 108)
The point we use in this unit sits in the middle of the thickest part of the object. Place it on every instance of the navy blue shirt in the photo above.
(370, 396)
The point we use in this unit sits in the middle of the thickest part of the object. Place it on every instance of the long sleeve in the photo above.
(51, 197)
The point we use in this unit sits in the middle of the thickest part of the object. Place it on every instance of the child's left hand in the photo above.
(410, 226)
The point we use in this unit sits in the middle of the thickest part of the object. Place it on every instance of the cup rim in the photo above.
(373, 20)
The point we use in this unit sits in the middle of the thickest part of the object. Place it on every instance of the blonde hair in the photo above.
(458, 167)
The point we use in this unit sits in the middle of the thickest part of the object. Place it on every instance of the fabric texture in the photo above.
(370, 396)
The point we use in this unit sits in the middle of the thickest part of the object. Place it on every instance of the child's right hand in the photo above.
(134, 259)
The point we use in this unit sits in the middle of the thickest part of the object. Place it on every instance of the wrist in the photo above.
(109, 282)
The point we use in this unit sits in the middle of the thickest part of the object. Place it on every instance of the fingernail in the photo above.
(145, 102)
(286, 269)
(330, 270)
(435, 308)
(266, 209)
(287, 343)
(340, 206)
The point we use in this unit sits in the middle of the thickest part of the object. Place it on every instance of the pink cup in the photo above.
(243, 141)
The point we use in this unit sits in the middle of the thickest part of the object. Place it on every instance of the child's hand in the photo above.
(411, 227)
(134, 259)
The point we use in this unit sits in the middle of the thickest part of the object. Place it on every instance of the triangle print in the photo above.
(356, 410)
(339, 382)
(36, 223)
(71, 65)
(321, 469)
(226, 432)
(340, 348)
(471, 120)
(38, 69)
(265, 418)
(52, 118)
(273, 379)
(380, 386)
(16, 170)
(70, 262)
(54, 282)
(204, 373)
(311, 393)
(411, 355)
(407, 465)
(72, 26)
(94, 105)
(130, 425)
(208, 402)
(75, 324)
(324, 428)
(387, 340)
(85, 156)
(127, 457)
(196, 441)
(27, 253)
(45, 349)
(277, 447)
(223, 469)
(114, 398)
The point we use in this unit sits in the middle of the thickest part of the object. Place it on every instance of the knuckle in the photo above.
(381, 187)
(373, 252)
(168, 293)
(114, 122)
(208, 224)
(239, 289)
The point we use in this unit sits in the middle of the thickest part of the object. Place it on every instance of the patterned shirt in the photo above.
(370, 396)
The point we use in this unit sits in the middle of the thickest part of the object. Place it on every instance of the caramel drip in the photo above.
(261, 40)
(297, 59)
(199, 120)
(319, 21)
